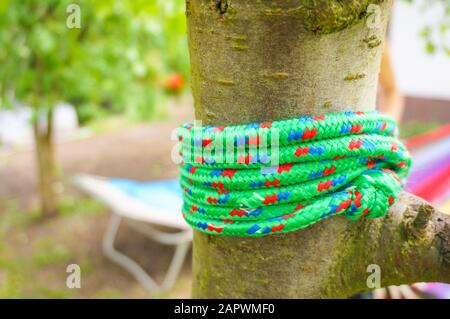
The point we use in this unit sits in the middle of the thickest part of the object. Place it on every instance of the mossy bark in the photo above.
(257, 60)
(268, 60)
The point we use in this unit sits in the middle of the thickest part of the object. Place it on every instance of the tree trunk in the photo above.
(267, 60)
(43, 131)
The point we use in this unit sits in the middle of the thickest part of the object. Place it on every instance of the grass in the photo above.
(414, 127)
(11, 216)
(87, 206)
(33, 265)
(47, 253)
(108, 294)
(35, 253)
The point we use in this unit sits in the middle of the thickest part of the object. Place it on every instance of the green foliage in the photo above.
(115, 62)
(436, 37)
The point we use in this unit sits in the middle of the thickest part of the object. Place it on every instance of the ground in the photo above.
(34, 253)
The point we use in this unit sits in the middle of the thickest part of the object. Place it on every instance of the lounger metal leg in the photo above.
(123, 260)
(181, 240)
(175, 265)
(181, 243)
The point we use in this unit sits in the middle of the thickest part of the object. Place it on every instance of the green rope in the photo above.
(265, 178)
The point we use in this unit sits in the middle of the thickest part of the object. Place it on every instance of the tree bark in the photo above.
(43, 133)
(268, 60)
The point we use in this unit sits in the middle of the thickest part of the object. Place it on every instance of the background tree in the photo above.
(115, 62)
(266, 60)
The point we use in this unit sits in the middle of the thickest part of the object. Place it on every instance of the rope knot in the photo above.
(372, 193)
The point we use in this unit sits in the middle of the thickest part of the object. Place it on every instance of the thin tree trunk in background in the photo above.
(43, 133)
(267, 60)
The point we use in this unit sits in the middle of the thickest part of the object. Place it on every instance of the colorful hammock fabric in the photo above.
(272, 177)
(423, 290)
(430, 172)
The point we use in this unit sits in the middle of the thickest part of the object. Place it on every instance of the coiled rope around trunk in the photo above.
(336, 164)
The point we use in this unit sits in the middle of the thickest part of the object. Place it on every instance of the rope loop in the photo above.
(272, 177)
